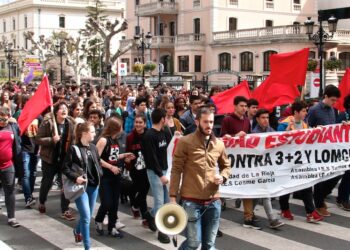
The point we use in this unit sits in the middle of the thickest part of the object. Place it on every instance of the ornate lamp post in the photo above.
(143, 42)
(9, 58)
(319, 39)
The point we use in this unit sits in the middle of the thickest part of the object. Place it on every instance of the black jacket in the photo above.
(72, 163)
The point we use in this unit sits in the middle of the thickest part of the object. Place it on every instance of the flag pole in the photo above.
(302, 94)
(54, 121)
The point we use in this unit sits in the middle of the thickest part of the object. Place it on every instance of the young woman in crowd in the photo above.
(88, 106)
(111, 148)
(172, 125)
(80, 169)
(75, 111)
(138, 172)
(180, 107)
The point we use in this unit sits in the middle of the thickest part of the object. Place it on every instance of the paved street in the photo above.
(51, 232)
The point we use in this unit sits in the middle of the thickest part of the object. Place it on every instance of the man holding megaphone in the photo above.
(194, 165)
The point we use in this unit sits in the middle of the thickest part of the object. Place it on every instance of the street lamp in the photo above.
(319, 39)
(143, 42)
(59, 49)
(9, 58)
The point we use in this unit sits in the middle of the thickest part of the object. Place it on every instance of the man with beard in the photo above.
(195, 163)
(53, 151)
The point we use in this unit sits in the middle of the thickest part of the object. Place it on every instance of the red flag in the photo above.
(35, 105)
(289, 68)
(224, 100)
(270, 94)
(344, 88)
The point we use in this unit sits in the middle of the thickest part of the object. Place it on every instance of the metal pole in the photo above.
(143, 57)
(9, 66)
(320, 52)
(61, 62)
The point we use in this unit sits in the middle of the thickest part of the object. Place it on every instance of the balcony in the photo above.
(190, 39)
(157, 8)
(125, 42)
(269, 4)
(163, 42)
(290, 33)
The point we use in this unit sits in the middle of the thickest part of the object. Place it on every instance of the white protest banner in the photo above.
(278, 163)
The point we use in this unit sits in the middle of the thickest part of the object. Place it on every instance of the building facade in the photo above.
(223, 41)
(43, 17)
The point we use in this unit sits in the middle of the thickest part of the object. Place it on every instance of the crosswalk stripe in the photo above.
(52, 230)
(260, 238)
(4, 246)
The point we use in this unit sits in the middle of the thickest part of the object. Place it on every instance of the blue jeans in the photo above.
(30, 162)
(203, 225)
(85, 205)
(159, 191)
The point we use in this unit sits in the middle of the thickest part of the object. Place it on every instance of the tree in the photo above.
(98, 26)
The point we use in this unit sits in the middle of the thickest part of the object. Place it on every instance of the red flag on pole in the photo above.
(289, 67)
(35, 105)
(224, 100)
(288, 70)
(344, 88)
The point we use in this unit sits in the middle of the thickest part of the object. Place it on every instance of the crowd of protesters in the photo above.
(123, 133)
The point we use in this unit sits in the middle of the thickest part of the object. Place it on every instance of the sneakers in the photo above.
(343, 205)
(78, 237)
(313, 217)
(144, 223)
(30, 202)
(105, 221)
(150, 220)
(99, 228)
(116, 233)
(13, 223)
(42, 208)
(276, 224)
(254, 218)
(135, 212)
(119, 225)
(251, 224)
(163, 238)
(238, 203)
(219, 234)
(286, 214)
(323, 212)
(68, 215)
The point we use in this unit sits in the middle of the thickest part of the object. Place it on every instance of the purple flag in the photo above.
(29, 77)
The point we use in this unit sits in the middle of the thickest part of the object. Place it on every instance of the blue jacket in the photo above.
(129, 122)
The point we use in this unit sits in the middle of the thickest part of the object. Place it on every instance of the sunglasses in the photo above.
(3, 119)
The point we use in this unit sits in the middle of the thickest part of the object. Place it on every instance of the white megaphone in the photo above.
(171, 219)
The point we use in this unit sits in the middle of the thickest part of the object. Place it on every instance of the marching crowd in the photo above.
(114, 140)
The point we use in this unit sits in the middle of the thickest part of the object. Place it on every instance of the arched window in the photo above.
(246, 59)
(224, 61)
(312, 54)
(267, 55)
(345, 59)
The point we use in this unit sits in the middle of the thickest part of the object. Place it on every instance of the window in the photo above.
(224, 61)
(296, 5)
(14, 43)
(172, 29)
(197, 63)
(4, 26)
(344, 57)
(196, 3)
(184, 64)
(161, 29)
(25, 22)
(196, 28)
(137, 2)
(312, 54)
(62, 21)
(269, 4)
(267, 55)
(246, 59)
(234, 2)
(232, 24)
(13, 24)
(268, 23)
